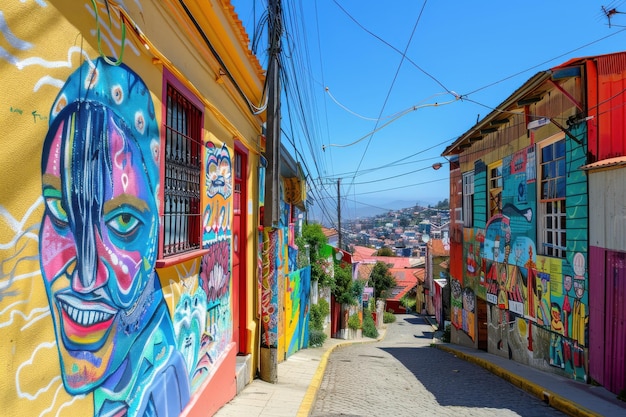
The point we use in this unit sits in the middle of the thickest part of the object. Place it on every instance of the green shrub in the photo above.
(316, 338)
(408, 302)
(388, 317)
(318, 313)
(369, 327)
(354, 322)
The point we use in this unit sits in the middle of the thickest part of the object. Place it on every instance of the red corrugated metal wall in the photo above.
(596, 313)
(611, 106)
(615, 329)
(607, 336)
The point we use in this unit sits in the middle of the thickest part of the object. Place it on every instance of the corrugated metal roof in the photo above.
(530, 87)
(605, 164)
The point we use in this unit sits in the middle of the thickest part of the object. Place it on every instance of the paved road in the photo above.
(403, 376)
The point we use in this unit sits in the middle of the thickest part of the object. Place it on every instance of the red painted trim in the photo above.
(220, 388)
(178, 259)
(169, 78)
(243, 253)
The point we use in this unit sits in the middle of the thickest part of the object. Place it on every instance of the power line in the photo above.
(391, 86)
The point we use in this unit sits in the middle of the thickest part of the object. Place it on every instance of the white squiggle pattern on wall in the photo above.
(18, 226)
(6, 56)
(48, 80)
(29, 362)
(13, 40)
(38, 2)
(53, 64)
(37, 312)
(62, 406)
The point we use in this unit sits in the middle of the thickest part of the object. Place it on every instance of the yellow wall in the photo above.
(41, 55)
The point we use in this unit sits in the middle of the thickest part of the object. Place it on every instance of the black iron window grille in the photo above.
(182, 217)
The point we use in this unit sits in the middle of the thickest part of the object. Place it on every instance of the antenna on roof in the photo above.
(610, 13)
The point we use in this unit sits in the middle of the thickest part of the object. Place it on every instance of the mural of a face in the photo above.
(579, 288)
(99, 233)
(567, 283)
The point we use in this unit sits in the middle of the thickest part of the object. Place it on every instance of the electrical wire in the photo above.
(402, 114)
(403, 54)
(391, 86)
(403, 186)
(464, 96)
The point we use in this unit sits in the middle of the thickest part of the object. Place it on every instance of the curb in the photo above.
(311, 393)
(553, 400)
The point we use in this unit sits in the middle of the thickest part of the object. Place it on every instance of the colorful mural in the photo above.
(538, 306)
(98, 245)
(94, 327)
(215, 279)
(297, 299)
(269, 290)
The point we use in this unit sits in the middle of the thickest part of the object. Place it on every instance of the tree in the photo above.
(382, 280)
(313, 235)
(345, 289)
(443, 205)
(385, 251)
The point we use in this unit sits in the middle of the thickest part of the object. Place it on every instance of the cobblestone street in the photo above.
(404, 376)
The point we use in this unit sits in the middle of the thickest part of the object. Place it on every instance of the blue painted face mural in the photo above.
(98, 243)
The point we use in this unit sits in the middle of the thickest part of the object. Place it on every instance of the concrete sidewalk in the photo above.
(300, 376)
(573, 398)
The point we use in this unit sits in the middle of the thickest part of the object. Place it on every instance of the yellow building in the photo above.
(129, 205)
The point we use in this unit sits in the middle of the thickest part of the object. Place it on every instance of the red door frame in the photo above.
(240, 214)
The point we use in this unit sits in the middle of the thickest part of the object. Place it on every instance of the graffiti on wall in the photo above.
(98, 245)
(94, 327)
(538, 304)
(215, 278)
(269, 290)
(297, 294)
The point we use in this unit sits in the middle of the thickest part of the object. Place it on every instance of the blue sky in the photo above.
(378, 120)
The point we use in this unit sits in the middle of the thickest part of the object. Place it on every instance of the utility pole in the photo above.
(272, 197)
(339, 210)
(269, 346)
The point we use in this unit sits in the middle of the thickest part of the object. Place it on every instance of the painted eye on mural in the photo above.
(123, 224)
(117, 93)
(56, 211)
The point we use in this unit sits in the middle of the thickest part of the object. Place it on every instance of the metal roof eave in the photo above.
(529, 88)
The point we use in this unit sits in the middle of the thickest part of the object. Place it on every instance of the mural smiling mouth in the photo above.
(85, 322)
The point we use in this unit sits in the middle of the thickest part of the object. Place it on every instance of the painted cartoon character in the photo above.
(98, 245)
(556, 339)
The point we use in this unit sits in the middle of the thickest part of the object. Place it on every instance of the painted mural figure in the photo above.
(556, 340)
(567, 307)
(98, 246)
(579, 317)
(531, 283)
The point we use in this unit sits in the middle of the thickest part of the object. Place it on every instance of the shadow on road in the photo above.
(455, 382)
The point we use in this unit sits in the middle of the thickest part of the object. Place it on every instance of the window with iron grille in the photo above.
(495, 189)
(181, 186)
(552, 212)
(468, 199)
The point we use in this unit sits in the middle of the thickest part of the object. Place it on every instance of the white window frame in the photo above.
(495, 184)
(468, 199)
(551, 197)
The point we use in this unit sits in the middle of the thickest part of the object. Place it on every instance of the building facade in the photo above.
(133, 265)
(519, 228)
(538, 249)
